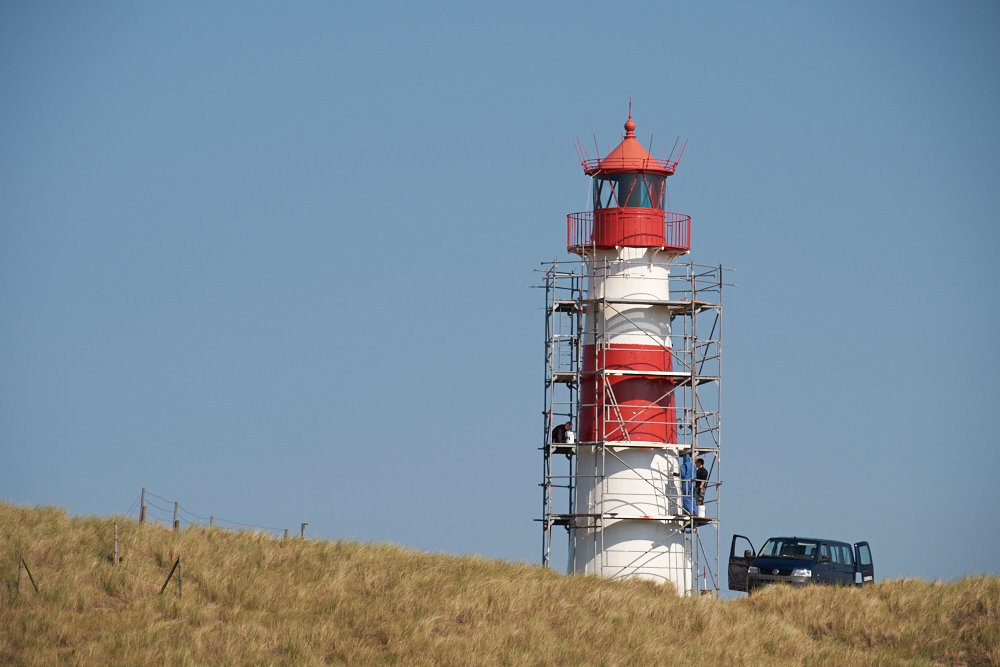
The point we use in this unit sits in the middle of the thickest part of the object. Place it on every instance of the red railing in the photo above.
(634, 227)
(593, 165)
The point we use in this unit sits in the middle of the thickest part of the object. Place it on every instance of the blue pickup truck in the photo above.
(799, 561)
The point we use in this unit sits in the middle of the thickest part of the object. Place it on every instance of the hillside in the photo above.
(251, 599)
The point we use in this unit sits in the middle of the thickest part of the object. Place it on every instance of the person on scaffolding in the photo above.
(687, 474)
(701, 483)
(563, 434)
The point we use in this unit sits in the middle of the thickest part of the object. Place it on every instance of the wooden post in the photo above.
(142, 506)
(303, 533)
(176, 563)
(211, 521)
(286, 534)
(30, 578)
(116, 543)
(176, 522)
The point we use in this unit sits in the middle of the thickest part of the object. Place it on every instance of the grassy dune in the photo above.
(251, 599)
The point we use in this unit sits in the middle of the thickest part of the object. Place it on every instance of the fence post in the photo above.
(176, 523)
(211, 521)
(142, 506)
(303, 533)
(26, 569)
(286, 534)
(116, 543)
(176, 564)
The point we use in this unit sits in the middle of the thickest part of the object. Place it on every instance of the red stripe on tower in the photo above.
(643, 406)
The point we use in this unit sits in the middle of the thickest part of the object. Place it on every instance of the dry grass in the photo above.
(251, 599)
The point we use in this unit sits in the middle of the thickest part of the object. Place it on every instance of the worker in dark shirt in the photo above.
(560, 434)
(701, 475)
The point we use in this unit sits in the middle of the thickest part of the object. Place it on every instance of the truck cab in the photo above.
(799, 561)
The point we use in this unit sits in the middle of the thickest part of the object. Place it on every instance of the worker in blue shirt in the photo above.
(687, 487)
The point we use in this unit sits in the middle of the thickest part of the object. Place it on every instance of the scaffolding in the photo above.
(692, 301)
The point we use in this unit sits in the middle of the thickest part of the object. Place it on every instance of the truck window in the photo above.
(788, 548)
(847, 554)
(866, 555)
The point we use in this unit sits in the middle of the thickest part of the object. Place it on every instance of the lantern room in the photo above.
(629, 202)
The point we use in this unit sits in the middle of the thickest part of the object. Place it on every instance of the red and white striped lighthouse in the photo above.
(631, 518)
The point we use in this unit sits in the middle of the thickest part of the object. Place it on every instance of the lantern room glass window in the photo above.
(630, 190)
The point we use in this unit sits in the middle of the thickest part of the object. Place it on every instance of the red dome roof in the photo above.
(629, 156)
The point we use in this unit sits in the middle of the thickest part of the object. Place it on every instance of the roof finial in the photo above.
(630, 124)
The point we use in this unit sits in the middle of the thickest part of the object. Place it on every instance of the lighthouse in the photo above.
(628, 367)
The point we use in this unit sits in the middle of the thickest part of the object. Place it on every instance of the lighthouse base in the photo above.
(628, 548)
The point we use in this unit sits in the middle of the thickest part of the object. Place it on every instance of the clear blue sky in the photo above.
(270, 260)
